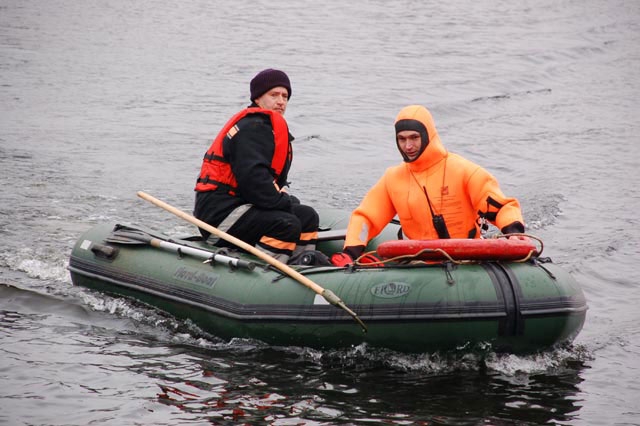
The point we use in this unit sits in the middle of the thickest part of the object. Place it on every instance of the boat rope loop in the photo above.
(537, 253)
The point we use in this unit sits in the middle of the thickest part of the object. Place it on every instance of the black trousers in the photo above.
(278, 225)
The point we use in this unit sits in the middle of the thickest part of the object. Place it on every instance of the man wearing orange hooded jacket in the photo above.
(435, 193)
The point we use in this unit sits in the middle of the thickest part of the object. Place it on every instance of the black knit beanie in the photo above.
(266, 80)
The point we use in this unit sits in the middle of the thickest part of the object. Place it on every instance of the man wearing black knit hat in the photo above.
(241, 189)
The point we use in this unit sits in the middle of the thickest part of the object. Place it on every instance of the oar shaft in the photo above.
(333, 299)
(233, 240)
(202, 254)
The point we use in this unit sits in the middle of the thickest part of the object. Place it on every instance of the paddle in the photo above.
(327, 294)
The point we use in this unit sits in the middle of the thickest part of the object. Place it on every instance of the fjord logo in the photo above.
(390, 290)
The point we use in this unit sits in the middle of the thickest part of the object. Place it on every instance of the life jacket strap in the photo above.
(219, 185)
(212, 157)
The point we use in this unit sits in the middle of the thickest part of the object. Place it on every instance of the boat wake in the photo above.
(480, 358)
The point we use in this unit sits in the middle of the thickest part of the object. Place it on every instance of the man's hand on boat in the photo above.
(519, 237)
(347, 257)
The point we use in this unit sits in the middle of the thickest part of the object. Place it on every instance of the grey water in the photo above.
(101, 99)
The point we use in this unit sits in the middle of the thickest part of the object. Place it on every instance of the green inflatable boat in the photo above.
(414, 303)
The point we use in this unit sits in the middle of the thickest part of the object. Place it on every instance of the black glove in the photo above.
(513, 228)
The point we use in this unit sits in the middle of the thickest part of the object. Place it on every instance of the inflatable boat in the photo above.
(422, 297)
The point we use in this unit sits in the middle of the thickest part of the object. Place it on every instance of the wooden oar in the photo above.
(327, 294)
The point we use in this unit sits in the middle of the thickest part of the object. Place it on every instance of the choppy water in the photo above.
(100, 99)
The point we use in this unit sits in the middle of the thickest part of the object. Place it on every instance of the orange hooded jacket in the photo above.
(458, 189)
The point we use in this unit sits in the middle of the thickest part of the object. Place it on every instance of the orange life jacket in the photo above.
(216, 170)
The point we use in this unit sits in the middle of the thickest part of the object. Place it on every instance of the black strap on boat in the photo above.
(540, 261)
(448, 269)
(508, 290)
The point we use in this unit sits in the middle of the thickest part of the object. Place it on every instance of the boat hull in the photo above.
(515, 307)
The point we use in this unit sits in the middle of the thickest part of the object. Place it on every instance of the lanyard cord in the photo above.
(424, 188)
(439, 224)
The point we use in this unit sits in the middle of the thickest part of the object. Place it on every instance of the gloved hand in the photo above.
(519, 237)
(347, 255)
(513, 228)
(341, 259)
(344, 259)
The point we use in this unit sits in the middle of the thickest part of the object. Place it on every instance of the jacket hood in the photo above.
(433, 150)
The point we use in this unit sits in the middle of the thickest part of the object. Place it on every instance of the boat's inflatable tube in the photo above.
(516, 307)
(459, 249)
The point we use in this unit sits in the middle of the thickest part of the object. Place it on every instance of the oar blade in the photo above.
(125, 235)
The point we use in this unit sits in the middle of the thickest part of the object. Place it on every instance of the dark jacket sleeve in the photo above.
(250, 153)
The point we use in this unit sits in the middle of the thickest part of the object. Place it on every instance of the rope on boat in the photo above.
(414, 258)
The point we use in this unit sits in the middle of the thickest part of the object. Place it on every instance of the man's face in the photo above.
(409, 142)
(275, 99)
